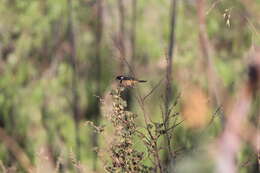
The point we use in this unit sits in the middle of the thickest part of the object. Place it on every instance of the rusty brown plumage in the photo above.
(127, 81)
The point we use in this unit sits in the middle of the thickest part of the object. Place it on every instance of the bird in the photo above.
(127, 81)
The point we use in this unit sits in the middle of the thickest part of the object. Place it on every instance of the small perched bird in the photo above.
(127, 81)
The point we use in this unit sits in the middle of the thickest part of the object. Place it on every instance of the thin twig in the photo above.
(156, 151)
(153, 89)
(175, 125)
(212, 6)
(214, 115)
(253, 28)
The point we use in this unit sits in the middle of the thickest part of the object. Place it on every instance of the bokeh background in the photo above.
(59, 60)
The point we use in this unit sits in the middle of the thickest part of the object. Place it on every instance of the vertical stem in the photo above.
(121, 9)
(74, 84)
(157, 156)
(258, 141)
(206, 50)
(153, 139)
(133, 32)
(170, 53)
(168, 90)
(202, 28)
(98, 39)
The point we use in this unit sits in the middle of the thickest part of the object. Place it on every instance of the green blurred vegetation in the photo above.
(37, 75)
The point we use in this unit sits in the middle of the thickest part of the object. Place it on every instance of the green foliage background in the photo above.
(36, 75)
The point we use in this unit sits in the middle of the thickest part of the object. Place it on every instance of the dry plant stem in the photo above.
(252, 26)
(125, 158)
(133, 32)
(159, 165)
(206, 50)
(154, 139)
(128, 66)
(151, 138)
(121, 34)
(175, 125)
(123, 60)
(17, 151)
(168, 90)
(214, 4)
(152, 90)
(141, 103)
(147, 119)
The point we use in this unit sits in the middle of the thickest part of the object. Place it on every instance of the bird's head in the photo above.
(120, 77)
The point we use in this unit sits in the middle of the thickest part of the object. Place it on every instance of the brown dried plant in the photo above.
(124, 157)
(123, 154)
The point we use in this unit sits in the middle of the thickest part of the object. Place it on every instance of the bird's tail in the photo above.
(142, 81)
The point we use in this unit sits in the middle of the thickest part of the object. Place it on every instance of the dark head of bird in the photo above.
(120, 77)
